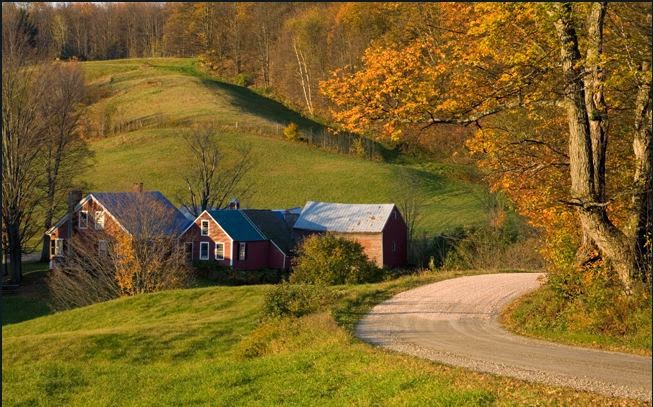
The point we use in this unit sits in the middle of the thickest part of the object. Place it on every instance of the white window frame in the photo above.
(215, 251)
(191, 249)
(208, 225)
(58, 247)
(79, 220)
(100, 250)
(242, 254)
(99, 225)
(203, 244)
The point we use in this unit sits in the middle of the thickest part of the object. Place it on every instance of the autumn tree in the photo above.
(488, 65)
(65, 153)
(23, 130)
(211, 180)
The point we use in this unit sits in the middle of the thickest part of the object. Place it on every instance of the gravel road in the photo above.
(455, 322)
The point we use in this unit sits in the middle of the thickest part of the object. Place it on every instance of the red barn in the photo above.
(235, 238)
(379, 228)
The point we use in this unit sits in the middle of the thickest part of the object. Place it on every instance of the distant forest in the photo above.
(285, 48)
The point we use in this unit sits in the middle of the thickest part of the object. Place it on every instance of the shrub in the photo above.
(228, 276)
(243, 79)
(295, 300)
(358, 148)
(291, 132)
(588, 301)
(327, 259)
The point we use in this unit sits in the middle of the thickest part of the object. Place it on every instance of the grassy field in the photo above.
(155, 100)
(191, 347)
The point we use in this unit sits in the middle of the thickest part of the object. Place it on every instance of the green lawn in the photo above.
(186, 347)
(164, 96)
(31, 301)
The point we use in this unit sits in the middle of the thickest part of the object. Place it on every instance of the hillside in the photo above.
(149, 102)
(208, 346)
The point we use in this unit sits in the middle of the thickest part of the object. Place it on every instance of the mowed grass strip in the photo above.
(165, 96)
(186, 347)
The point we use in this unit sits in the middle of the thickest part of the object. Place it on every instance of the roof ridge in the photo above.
(252, 223)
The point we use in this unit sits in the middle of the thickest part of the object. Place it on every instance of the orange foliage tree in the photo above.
(538, 82)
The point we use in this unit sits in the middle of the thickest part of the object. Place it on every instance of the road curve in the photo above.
(455, 322)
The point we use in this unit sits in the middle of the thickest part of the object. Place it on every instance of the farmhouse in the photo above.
(240, 239)
(379, 228)
(101, 216)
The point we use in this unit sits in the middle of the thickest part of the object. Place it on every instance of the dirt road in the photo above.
(455, 322)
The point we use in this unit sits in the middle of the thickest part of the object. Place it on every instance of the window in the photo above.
(394, 246)
(204, 250)
(219, 251)
(395, 214)
(102, 248)
(58, 247)
(52, 246)
(99, 220)
(188, 247)
(242, 251)
(83, 219)
(205, 228)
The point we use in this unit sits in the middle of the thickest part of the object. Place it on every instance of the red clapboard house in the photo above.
(101, 216)
(379, 228)
(240, 239)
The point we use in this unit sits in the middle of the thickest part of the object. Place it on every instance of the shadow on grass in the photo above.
(30, 300)
(351, 310)
(249, 101)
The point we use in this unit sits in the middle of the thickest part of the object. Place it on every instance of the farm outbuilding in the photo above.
(379, 228)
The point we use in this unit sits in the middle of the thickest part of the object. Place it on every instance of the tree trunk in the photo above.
(15, 254)
(611, 241)
(597, 113)
(642, 217)
(45, 251)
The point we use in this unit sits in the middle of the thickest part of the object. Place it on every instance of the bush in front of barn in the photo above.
(331, 260)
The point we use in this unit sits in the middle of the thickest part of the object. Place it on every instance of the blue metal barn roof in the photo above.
(236, 225)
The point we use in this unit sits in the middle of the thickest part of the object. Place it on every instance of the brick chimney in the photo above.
(234, 204)
(137, 187)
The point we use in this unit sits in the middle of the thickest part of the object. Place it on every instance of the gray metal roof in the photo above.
(344, 218)
(128, 208)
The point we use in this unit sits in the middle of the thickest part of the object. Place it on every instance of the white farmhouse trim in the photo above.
(192, 246)
(208, 227)
(208, 251)
(216, 250)
(79, 219)
(99, 215)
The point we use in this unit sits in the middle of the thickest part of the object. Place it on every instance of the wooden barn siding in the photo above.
(256, 258)
(372, 242)
(276, 258)
(216, 235)
(395, 230)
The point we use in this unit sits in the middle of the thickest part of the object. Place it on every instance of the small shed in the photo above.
(379, 228)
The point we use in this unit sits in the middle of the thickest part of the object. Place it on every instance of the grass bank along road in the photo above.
(456, 322)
